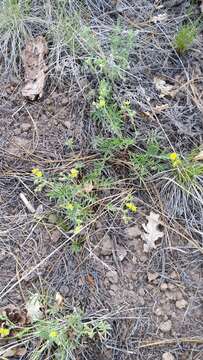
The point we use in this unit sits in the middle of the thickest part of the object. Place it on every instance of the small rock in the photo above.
(181, 304)
(170, 295)
(19, 146)
(167, 356)
(25, 127)
(55, 236)
(112, 276)
(106, 246)
(133, 232)
(121, 253)
(17, 131)
(158, 312)
(173, 275)
(163, 287)
(64, 101)
(171, 286)
(143, 258)
(52, 219)
(166, 326)
(67, 124)
(114, 287)
(141, 291)
(178, 295)
(141, 300)
(152, 276)
(65, 290)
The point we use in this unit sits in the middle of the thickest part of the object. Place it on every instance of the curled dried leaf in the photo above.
(152, 232)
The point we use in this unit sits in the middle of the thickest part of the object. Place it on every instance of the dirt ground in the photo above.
(153, 301)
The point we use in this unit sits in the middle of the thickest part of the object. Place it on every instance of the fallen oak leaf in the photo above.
(152, 233)
(164, 88)
(34, 308)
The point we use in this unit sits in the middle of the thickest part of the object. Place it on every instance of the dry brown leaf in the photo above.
(17, 351)
(59, 300)
(90, 280)
(14, 314)
(199, 157)
(35, 67)
(164, 88)
(34, 308)
(152, 232)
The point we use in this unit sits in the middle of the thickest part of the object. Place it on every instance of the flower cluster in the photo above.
(175, 160)
(132, 207)
(36, 172)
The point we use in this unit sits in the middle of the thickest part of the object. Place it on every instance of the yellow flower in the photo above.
(69, 206)
(53, 334)
(102, 103)
(4, 332)
(37, 172)
(131, 207)
(174, 159)
(173, 156)
(74, 173)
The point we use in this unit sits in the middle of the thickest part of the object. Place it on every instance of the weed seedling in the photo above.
(185, 37)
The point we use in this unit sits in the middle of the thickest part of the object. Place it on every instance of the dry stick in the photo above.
(160, 343)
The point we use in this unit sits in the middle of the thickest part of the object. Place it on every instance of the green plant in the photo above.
(75, 193)
(185, 37)
(108, 112)
(186, 170)
(57, 334)
(113, 61)
(149, 161)
(108, 146)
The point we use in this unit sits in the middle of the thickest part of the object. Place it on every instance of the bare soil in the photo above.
(153, 301)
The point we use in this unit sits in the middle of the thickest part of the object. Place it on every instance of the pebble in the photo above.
(133, 231)
(167, 356)
(114, 287)
(141, 291)
(166, 326)
(67, 124)
(112, 276)
(163, 287)
(17, 131)
(152, 276)
(106, 246)
(141, 300)
(181, 304)
(121, 253)
(158, 311)
(25, 127)
(19, 145)
(55, 236)
(171, 286)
